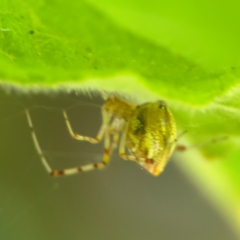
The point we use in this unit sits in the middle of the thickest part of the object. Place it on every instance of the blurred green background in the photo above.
(184, 52)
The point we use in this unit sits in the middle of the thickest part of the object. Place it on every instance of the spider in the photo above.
(148, 132)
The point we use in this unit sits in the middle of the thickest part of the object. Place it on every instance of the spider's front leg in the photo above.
(106, 117)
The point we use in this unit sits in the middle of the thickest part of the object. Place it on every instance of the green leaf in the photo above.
(81, 43)
(183, 51)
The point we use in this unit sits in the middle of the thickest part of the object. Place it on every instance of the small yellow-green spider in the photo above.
(148, 132)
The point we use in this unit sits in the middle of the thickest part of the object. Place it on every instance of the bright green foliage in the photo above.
(58, 41)
(186, 52)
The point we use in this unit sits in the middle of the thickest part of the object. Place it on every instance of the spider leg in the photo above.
(115, 128)
(114, 143)
(182, 134)
(122, 150)
(203, 144)
(106, 120)
(70, 171)
(36, 144)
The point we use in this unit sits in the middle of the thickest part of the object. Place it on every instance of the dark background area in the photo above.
(120, 202)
